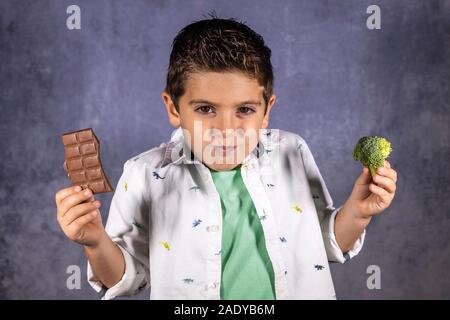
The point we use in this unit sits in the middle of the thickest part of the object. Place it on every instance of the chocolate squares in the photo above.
(82, 161)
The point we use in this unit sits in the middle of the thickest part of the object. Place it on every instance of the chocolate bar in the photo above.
(82, 161)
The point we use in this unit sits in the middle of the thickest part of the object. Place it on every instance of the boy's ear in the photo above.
(270, 103)
(172, 113)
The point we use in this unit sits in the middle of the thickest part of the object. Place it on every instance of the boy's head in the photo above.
(219, 89)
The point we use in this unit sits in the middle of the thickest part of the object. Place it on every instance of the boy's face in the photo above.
(221, 114)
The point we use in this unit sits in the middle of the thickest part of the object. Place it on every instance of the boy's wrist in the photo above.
(353, 210)
(95, 246)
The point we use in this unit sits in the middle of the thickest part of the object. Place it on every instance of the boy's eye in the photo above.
(246, 110)
(204, 109)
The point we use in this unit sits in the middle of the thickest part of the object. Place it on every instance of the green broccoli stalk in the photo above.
(371, 152)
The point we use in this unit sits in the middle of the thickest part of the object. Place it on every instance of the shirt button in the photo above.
(213, 228)
(210, 286)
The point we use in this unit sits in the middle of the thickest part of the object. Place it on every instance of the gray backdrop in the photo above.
(335, 81)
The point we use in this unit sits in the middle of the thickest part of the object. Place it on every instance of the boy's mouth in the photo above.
(223, 150)
(225, 147)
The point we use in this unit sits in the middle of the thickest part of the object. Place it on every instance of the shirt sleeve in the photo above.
(325, 209)
(127, 225)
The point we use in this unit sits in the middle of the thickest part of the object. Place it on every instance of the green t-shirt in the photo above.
(247, 271)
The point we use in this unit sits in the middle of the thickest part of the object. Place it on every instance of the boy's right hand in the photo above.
(78, 216)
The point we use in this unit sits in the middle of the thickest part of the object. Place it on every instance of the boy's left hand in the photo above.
(371, 196)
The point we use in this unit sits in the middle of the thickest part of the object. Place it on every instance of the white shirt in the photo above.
(166, 217)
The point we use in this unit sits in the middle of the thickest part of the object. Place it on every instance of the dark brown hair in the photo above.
(218, 45)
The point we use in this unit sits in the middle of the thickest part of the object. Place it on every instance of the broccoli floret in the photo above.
(371, 152)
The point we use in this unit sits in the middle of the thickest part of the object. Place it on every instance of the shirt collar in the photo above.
(178, 152)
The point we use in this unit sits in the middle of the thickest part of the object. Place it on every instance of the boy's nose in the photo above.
(225, 122)
(228, 131)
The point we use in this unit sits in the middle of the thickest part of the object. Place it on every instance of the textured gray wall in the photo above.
(335, 80)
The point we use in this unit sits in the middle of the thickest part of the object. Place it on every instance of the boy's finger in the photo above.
(385, 182)
(388, 172)
(74, 199)
(378, 190)
(387, 164)
(83, 220)
(63, 193)
(79, 211)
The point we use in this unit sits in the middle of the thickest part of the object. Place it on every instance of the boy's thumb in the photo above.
(365, 177)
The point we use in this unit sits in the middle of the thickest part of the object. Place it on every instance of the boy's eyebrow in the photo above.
(195, 101)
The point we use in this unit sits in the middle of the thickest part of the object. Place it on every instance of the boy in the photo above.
(227, 209)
